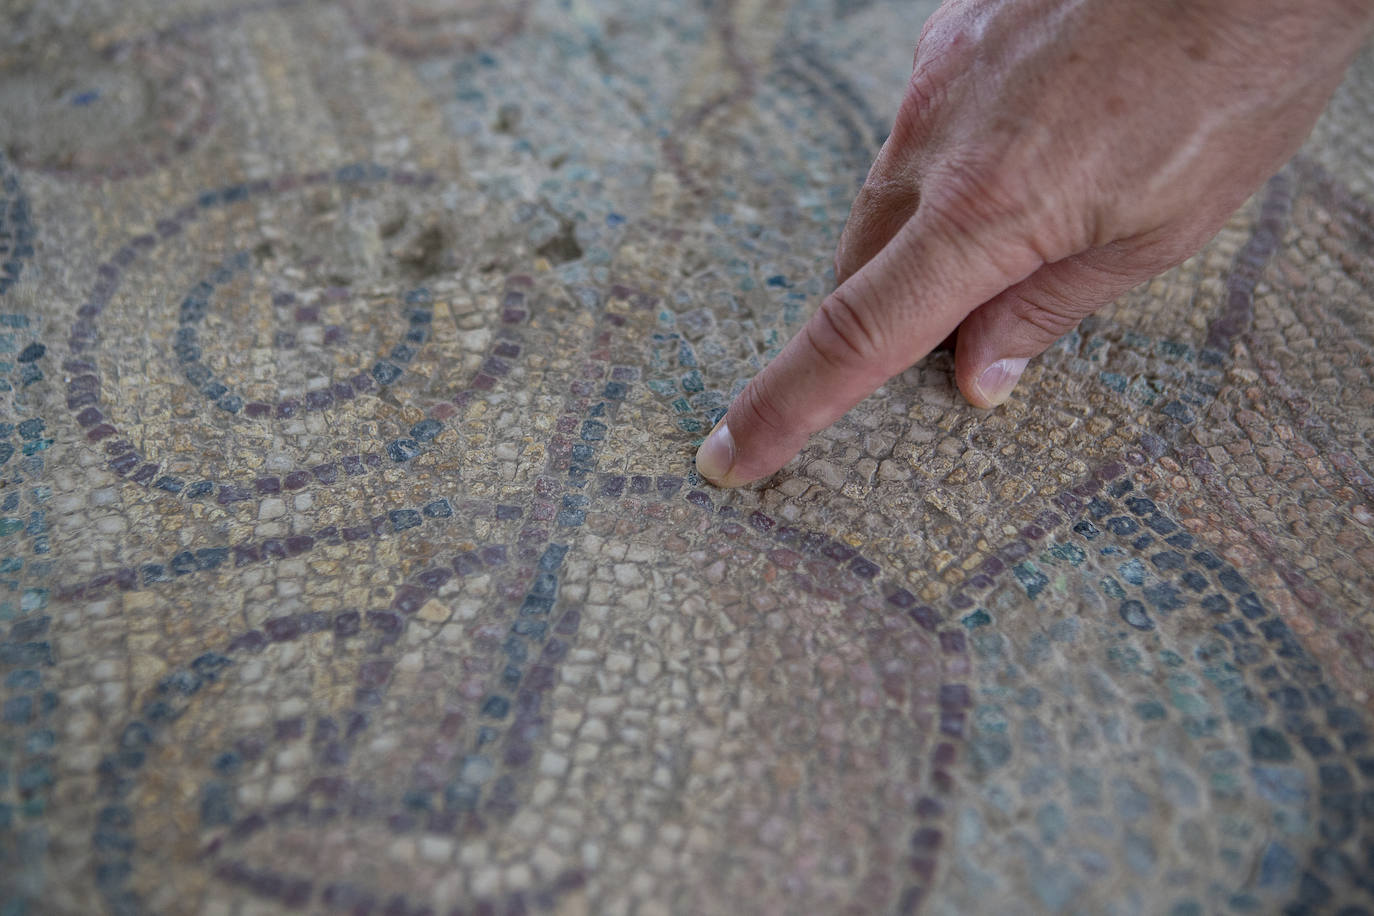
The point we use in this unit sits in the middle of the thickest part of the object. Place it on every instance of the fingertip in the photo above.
(717, 455)
(765, 426)
(994, 384)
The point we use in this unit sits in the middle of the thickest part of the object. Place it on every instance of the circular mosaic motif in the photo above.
(371, 229)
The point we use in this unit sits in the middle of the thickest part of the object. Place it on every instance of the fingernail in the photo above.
(717, 454)
(997, 380)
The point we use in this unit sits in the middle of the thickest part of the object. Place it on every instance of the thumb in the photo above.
(997, 340)
(889, 314)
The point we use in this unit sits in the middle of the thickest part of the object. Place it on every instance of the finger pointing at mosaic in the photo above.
(1048, 156)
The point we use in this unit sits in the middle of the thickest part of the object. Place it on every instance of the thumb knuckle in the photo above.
(1049, 323)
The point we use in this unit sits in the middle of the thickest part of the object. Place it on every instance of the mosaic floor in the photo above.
(352, 360)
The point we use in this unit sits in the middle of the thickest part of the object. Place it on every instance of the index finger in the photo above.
(895, 309)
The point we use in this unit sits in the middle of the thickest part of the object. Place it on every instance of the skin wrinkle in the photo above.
(853, 344)
(766, 410)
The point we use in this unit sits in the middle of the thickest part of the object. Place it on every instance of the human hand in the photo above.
(1048, 156)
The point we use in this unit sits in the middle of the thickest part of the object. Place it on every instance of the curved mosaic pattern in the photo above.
(352, 559)
(414, 29)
